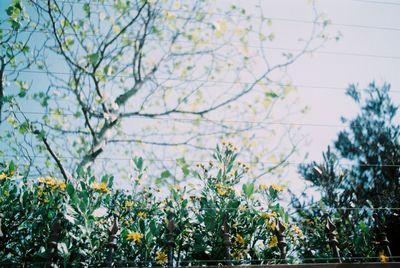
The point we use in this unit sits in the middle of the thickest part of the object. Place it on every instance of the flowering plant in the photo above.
(88, 222)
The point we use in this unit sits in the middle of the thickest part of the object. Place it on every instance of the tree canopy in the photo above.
(360, 176)
(92, 83)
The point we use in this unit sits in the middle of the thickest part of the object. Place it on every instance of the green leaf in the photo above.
(12, 121)
(138, 163)
(69, 42)
(70, 189)
(184, 166)
(104, 179)
(248, 189)
(153, 228)
(86, 8)
(271, 94)
(23, 128)
(11, 167)
(166, 174)
(142, 226)
(93, 58)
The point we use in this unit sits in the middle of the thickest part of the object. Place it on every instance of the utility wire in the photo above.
(193, 161)
(265, 17)
(354, 54)
(191, 80)
(202, 120)
(378, 2)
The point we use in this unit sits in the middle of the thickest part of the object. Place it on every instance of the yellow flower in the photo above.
(242, 208)
(311, 222)
(129, 221)
(273, 225)
(61, 185)
(298, 231)
(382, 256)
(41, 194)
(161, 257)
(142, 215)
(128, 204)
(263, 187)
(102, 187)
(221, 190)
(3, 176)
(134, 236)
(239, 240)
(49, 181)
(52, 183)
(237, 255)
(277, 187)
(269, 215)
(273, 242)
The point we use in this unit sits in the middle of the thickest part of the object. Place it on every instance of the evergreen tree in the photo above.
(361, 175)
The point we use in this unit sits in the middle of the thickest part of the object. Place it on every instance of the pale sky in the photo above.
(371, 31)
(375, 43)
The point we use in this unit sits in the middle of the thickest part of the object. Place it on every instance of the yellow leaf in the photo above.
(220, 26)
(116, 29)
(176, 5)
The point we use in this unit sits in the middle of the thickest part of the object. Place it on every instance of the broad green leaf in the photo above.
(248, 189)
(93, 58)
(183, 165)
(166, 174)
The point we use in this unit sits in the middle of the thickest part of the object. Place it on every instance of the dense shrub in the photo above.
(78, 217)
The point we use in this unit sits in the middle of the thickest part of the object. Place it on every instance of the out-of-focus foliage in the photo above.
(358, 178)
(93, 79)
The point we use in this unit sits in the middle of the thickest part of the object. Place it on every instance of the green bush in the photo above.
(75, 219)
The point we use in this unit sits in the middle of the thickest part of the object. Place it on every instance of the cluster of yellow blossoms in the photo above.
(4, 176)
(100, 187)
(239, 244)
(273, 242)
(127, 204)
(129, 221)
(161, 258)
(52, 183)
(269, 215)
(223, 190)
(276, 187)
(142, 215)
(270, 219)
(134, 236)
(382, 256)
(297, 230)
(239, 240)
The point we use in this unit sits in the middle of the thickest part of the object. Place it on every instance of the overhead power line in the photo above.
(353, 54)
(197, 161)
(378, 2)
(270, 18)
(144, 117)
(195, 80)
